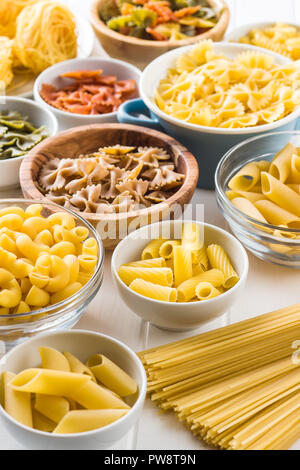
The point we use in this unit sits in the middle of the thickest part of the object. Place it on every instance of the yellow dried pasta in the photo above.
(191, 269)
(44, 260)
(281, 38)
(213, 90)
(269, 192)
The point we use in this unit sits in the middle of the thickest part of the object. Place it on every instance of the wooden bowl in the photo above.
(87, 139)
(140, 52)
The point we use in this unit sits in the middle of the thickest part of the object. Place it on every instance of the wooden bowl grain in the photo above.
(87, 139)
(141, 52)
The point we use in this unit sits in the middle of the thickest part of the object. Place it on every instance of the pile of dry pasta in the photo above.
(269, 191)
(281, 38)
(208, 89)
(237, 387)
(65, 395)
(34, 34)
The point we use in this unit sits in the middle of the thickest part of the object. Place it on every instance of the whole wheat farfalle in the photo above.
(113, 179)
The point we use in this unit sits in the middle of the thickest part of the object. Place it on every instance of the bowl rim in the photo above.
(138, 366)
(178, 305)
(228, 204)
(169, 55)
(91, 60)
(253, 25)
(220, 26)
(34, 104)
(191, 177)
(86, 287)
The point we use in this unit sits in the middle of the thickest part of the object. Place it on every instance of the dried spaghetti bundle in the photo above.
(45, 35)
(237, 387)
(9, 12)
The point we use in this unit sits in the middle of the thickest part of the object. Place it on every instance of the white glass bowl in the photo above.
(14, 328)
(172, 315)
(82, 344)
(257, 237)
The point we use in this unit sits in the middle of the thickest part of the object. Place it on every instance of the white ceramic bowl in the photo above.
(237, 33)
(82, 344)
(39, 116)
(120, 69)
(184, 315)
(207, 144)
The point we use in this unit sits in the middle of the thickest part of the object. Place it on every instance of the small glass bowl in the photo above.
(256, 236)
(15, 328)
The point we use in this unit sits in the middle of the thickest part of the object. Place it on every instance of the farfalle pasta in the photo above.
(281, 38)
(208, 89)
(44, 260)
(112, 180)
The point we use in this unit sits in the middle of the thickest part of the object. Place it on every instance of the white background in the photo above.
(269, 287)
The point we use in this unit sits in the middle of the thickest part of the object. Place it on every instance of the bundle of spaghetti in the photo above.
(9, 11)
(45, 35)
(236, 387)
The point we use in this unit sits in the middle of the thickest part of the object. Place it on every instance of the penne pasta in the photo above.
(93, 396)
(53, 359)
(54, 408)
(86, 420)
(16, 404)
(275, 215)
(48, 382)
(154, 291)
(67, 398)
(77, 366)
(246, 178)
(42, 423)
(111, 375)
(281, 165)
(295, 169)
(281, 194)
(163, 276)
(247, 207)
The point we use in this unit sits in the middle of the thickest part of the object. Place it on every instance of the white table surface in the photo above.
(269, 287)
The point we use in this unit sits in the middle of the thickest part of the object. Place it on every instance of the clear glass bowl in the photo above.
(15, 328)
(257, 237)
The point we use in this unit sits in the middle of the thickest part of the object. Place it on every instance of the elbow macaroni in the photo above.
(44, 260)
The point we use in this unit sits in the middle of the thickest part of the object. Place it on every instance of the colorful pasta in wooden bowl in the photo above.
(257, 184)
(179, 274)
(141, 30)
(73, 390)
(212, 96)
(117, 176)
